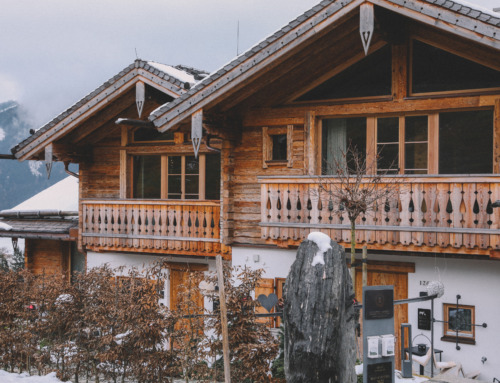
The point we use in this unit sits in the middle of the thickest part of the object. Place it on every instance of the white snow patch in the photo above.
(60, 196)
(2, 134)
(64, 298)
(323, 242)
(4, 226)
(7, 377)
(34, 168)
(174, 72)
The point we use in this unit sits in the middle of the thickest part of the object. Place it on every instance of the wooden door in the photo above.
(266, 287)
(395, 274)
(182, 290)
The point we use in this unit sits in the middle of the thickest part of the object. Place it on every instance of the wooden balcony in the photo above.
(431, 213)
(152, 226)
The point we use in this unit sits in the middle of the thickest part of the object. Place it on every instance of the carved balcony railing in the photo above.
(172, 227)
(431, 213)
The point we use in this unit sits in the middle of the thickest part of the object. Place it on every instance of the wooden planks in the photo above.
(428, 212)
(191, 227)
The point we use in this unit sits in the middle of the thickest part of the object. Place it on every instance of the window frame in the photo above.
(449, 335)
(267, 146)
(164, 175)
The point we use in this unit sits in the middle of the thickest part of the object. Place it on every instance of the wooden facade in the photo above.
(286, 90)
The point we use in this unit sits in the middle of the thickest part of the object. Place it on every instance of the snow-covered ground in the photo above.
(6, 377)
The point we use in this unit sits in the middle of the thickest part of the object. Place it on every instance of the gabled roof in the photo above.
(458, 17)
(169, 79)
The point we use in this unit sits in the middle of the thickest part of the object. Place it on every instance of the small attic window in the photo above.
(277, 143)
(152, 135)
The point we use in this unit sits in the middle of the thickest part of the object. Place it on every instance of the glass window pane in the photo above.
(146, 176)
(174, 165)
(212, 177)
(388, 130)
(279, 147)
(415, 158)
(337, 136)
(192, 165)
(416, 128)
(369, 77)
(466, 142)
(435, 70)
(388, 158)
(174, 185)
(146, 134)
(192, 184)
(460, 319)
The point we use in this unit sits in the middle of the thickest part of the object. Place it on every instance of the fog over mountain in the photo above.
(20, 180)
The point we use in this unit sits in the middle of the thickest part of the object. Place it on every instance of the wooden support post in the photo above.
(365, 266)
(223, 317)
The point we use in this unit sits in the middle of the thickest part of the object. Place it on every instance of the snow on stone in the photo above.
(323, 243)
(60, 196)
(174, 72)
(4, 226)
(2, 134)
(7, 377)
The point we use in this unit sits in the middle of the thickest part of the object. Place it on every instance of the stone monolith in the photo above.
(319, 318)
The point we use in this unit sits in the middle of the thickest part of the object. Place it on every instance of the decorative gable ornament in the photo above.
(196, 130)
(48, 159)
(140, 96)
(366, 25)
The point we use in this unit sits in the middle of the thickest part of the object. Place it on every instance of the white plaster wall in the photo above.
(478, 283)
(140, 261)
(275, 262)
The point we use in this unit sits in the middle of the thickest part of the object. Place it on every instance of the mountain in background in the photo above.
(20, 180)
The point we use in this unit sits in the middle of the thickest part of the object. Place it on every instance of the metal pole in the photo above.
(432, 337)
(223, 317)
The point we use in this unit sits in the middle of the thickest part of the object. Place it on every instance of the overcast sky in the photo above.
(53, 52)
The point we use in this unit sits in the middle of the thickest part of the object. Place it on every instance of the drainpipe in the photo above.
(66, 169)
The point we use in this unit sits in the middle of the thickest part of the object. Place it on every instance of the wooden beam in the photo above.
(223, 318)
(310, 144)
(496, 138)
(399, 71)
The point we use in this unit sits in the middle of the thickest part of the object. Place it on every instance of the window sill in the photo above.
(277, 163)
(461, 339)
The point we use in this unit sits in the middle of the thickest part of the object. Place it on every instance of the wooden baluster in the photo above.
(443, 239)
(264, 210)
(430, 238)
(163, 226)
(495, 216)
(87, 222)
(188, 226)
(292, 211)
(483, 198)
(456, 239)
(179, 222)
(101, 225)
(394, 220)
(407, 207)
(370, 216)
(116, 224)
(130, 222)
(274, 212)
(123, 228)
(136, 214)
(170, 226)
(285, 193)
(417, 216)
(210, 212)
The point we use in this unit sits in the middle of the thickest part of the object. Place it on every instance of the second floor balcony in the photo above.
(152, 226)
(428, 213)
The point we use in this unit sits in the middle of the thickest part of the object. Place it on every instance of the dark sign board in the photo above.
(380, 373)
(379, 304)
(424, 319)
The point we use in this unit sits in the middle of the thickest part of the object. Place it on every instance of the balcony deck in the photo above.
(429, 213)
(152, 226)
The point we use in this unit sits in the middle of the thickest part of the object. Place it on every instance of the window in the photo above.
(277, 146)
(176, 177)
(369, 77)
(435, 70)
(402, 145)
(466, 142)
(338, 135)
(459, 320)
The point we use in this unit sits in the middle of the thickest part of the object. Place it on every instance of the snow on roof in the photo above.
(4, 226)
(60, 196)
(174, 72)
(323, 242)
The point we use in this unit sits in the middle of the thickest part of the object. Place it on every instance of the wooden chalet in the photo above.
(414, 85)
